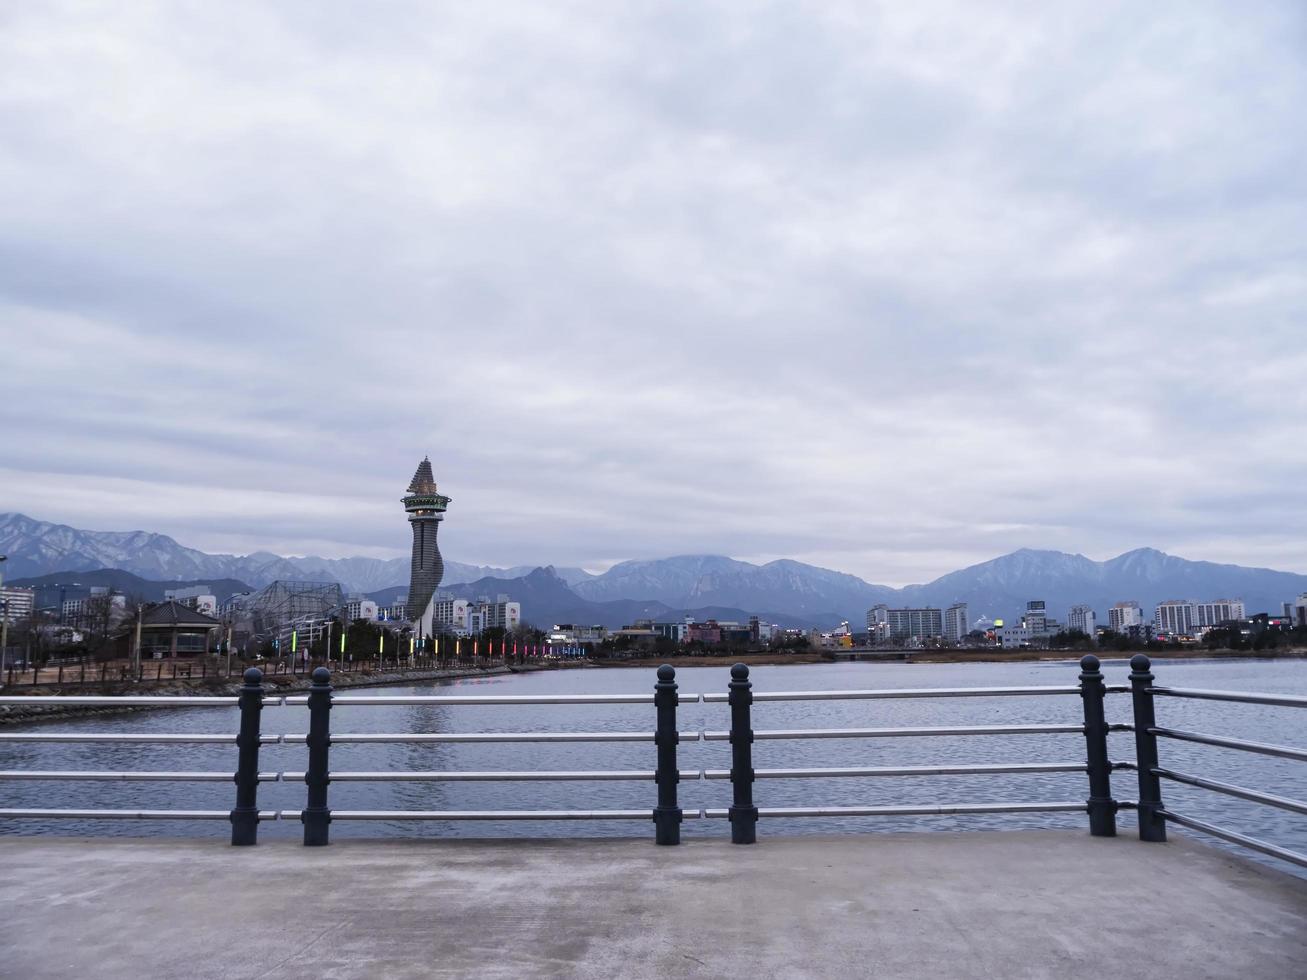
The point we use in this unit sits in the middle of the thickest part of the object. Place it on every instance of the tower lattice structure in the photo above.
(426, 509)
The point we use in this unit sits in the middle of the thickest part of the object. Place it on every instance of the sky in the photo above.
(889, 288)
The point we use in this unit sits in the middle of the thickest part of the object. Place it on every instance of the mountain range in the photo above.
(40, 548)
(787, 592)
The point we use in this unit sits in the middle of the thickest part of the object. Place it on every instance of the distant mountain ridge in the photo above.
(784, 590)
(40, 548)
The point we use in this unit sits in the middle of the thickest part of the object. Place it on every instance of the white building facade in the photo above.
(1175, 617)
(1082, 618)
(956, 626)
(1125, 615)
(1218, 611)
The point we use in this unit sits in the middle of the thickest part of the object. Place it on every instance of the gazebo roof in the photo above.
(174, 614)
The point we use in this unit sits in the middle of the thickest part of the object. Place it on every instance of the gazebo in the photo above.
(173, 630)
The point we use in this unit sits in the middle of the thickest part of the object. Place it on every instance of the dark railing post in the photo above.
(1152, 827)
(667, 815)
(245, 817)
(743, 814)
(316, 817)
(1102, 808)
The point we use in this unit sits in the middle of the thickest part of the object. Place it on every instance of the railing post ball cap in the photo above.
(253, 676)
(321, 676)
(1089, 663)
(740, 672)
(1140, 663)
(666, 672)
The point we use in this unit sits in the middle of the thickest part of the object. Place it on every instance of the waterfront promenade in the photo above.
(1021, 904)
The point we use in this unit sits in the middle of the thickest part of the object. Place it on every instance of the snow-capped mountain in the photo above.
(39, 548)
(1002, 587)
(997, 588)
(703, 580)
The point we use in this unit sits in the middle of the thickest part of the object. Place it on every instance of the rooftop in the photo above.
(167, 614)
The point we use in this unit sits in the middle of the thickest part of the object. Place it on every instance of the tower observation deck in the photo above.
(426, 509)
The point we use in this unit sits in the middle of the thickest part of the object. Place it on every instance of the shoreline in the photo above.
(273, 685)
(945, 657)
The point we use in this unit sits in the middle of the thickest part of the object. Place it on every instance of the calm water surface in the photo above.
(1267, 724)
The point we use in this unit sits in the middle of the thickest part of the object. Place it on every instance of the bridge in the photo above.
(1018, 903)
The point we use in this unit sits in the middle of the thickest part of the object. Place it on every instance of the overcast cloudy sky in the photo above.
(887, 288)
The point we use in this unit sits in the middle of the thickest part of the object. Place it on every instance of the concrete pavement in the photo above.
(1006, 904)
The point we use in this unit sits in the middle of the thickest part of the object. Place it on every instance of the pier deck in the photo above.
(1001, 904)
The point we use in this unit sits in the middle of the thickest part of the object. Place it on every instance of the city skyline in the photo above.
(886, 290)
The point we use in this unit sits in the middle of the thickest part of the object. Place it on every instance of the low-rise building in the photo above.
(571, 635)
(1014, 637)
(676, 632)
(171, 629)
(707, 633)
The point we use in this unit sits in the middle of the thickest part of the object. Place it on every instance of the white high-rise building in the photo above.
(502, 613)
(448, 615)
(1217, 611)
(1176, 616)
(1036, 617)
(956, 626)
(915, 624)
(16, 603)
(1125, 615)
(878, 624)
(1082, 618)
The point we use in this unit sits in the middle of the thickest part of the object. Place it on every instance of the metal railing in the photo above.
(743, 814)
(316, 815)
(1153, 814)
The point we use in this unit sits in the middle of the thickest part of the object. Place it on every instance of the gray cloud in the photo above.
(884, 289)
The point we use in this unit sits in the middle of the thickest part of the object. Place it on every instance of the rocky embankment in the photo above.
(274, 685)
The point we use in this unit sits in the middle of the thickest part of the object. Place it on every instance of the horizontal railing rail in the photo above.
(127, 814)
(456, 737)
(493, 775)
(792, 733)
(930, 809)
(1229, 789)
(1274, 700)
(980, 769)
(135, 738)
(490, 699)
(485, 814)
(896, 693)
(1232, 837)
(1220, 741)
(84, 775)
(125, 700)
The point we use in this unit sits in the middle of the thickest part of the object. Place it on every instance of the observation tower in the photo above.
(426, 509)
